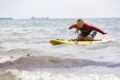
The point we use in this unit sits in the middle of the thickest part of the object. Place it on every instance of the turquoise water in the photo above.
(25, 51)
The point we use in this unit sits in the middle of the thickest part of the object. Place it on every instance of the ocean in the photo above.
(26, 54)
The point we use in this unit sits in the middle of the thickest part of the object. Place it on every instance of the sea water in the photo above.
(26, 54)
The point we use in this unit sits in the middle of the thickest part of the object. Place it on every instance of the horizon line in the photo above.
(56, 18)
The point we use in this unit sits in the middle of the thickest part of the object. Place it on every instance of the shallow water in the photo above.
(25, 51)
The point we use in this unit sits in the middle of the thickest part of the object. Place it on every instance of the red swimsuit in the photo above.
(87, 28)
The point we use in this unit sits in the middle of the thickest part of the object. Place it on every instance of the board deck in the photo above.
(70, 42)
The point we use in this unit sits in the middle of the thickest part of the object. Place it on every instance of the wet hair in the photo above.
(79, 20)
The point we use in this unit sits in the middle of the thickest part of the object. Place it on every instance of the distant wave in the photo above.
(33, 62)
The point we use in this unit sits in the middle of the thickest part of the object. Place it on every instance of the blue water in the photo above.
(25, 49)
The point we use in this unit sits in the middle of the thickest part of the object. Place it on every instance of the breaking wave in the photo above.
(25, 75)
(34, 62)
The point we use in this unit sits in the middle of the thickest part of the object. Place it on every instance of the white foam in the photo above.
(25, 75)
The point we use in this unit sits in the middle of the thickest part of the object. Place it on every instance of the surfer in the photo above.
(88, 32)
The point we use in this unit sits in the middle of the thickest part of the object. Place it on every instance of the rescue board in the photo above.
(74, 42)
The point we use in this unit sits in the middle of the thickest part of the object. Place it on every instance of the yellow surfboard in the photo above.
(59, 42)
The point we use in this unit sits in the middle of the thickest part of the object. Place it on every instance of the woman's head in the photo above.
(80, 23)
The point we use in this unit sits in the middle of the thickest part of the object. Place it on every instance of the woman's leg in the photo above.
(80, 37)
(91, 36)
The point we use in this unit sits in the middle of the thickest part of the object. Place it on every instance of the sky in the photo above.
(60, 8)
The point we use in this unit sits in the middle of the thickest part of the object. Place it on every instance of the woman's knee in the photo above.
(89, 37)
(80, 37)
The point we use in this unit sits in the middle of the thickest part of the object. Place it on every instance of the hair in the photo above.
(79, 20)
